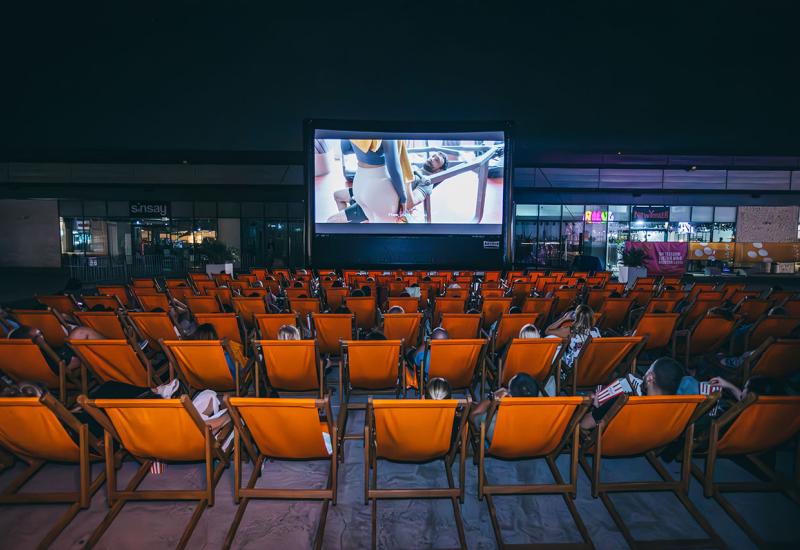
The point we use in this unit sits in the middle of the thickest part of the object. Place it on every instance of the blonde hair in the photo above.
(529, 331)
(288, 332)
(584, 321)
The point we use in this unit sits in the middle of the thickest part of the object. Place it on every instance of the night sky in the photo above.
(700, 77)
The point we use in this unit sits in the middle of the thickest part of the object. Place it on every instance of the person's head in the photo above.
(298, 284)
(337, 284)
(100, 307)
(615, 294)
(529, 331)
(405, 295)
(288, 332)
(438, 389)
(22, 332)
(357, 293)
(396, 309)
(663, 377)
(439, 333)
(435, 163)
(513, 310)
(725, 313)
(206, 331)
(375, 335)
(778, 310)
(523, 385)
(342, 309)
(583, 320)
(366, 290)
(765, 385)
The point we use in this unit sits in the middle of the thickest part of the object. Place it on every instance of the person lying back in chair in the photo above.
(520, 385)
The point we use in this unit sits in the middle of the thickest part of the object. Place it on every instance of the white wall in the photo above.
(29, 233)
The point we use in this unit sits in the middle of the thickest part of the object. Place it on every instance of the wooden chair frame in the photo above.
(455, 494)
(480, 365)
(269, 387)
(243, 373)
(118, 498)
(568, 490)
(555, 368)
(628, 363)
(153, 375)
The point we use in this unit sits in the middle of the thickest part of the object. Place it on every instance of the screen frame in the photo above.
(310, 126)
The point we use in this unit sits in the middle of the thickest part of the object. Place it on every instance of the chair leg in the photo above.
(116, 508)
(498, 534)
(237, 518)
(319, 536)
(60, 525)
(187, 532)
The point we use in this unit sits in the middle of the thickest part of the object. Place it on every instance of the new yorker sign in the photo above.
(148, 209)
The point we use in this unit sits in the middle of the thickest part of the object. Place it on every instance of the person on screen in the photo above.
(419, 188)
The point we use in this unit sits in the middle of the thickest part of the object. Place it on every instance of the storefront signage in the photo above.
(663, 258)
(598, 216)
(650, 213)
(148, 209)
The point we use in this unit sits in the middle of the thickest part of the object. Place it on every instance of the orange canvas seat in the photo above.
(493, 308)
(645, 283)
(455, 360)
(365, 310)
(224, 295)
(508, 327)
(443, 304)
(641, 426)
(552, 427)
(538, 357)
(291, 366)
(25, 361)
(641, 296)
(615, 313)
(403, 326)
(706, 336)
(710, 295)
(49, 323)
(698, 309)
(268, 324)
(661, 305)
(334, 297)
(227, 325)
(659, 329)
(600, 358)
(180, 293)
(729, 289)
(163, 430)
(737, 296)
(296, 293)
(203, 304)
(520, 290)
(61, 303)
(115, 290)
(281, 429)
(775, 358)
(152, 302)
(697, 288)
(143, 282)
(676, 295)
(752, 309)
(106, 323)
(153, 326)
(108, 302)
(203, 365)
(461, 325)
(246, 308)
(747, 430)
(595, 298)
(769, 326)
(330, 329)
(566, 299)
(542, 306)
(408, 303)
(305, 307)
(115, 360)
(35, 431)
(417, 431)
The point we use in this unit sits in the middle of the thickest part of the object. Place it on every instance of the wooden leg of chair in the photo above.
(85, 465)
(209, 469)
(462, 538)
(23, 477)
(498, 534)
(366, 464)
(60, 525)
(612, 510)
(187, 532)
(237, 518)
(759, 541)
(320, 534)
(118, 504)
(374, 516)
(481, 461)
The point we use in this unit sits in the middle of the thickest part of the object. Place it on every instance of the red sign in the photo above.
(663, 258)
(650, 213)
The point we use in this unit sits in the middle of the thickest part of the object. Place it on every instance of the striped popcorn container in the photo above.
(157, 467)
(708, 389)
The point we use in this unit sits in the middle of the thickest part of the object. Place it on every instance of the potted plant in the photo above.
(322, 158)
(217, 256)
(632, 265)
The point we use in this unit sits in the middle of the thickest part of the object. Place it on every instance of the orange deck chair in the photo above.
(106, 323)
(369, 367)
(659, 329)
(224, 295)
(151, 302)
(115, 360)
(615, 313)
(281, 429)
(153, 326)
(738, 295)
(710, 295)
(61, 303)
(751, 309)
(599, 358)
(267, 324)
(227, 325)
(443, 304)
(520, 290)
(455, 360)
(417, 431)
(543, 306)
(748, 429)
(697, 310)
(107, 301)
(595, 298)
(49, 323)
(508, 327)
(661, 305)
(203, 365)
(334, 297)
(641, 296)
(403, 326)
(565, 299)
(552, 428)
(640, 426)
(775, 358)
(180, 293)
(304, 307)
(291, 366)
(493, 308)
(143, 282)
(409, 304)
(35, 431)
(729, 289)
(365, 310)
(645, 283)
(538, 357)
(25, 361)
(115, 290)
(769, 326)
(697, 288)
(461, 325)
(706, 336)
(331, 328)
(246, 308)
(163, 430)
(204, 304)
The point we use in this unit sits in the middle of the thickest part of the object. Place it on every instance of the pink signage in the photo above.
(663, 258)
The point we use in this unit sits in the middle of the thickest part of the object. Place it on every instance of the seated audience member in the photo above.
(662, 378)
(438, 388)
(760, 385)
(338, 283)
(520, 385)
(342, 309)
(375, 334)
(419, 357)
(24, 332)
(366, 290)
(288, 332)
(514, 310)
(577, 326)
(357, 293)
(529, 331)
(206, 331)
(396, 309)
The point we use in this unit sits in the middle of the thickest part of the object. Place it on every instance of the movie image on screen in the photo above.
(408, 183)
